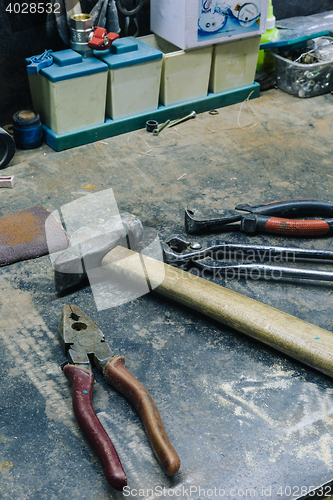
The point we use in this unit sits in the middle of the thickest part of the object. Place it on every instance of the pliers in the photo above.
(223, 259)
(278, 217)
(82, 340)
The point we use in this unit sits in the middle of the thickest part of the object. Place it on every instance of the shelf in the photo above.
(112, 128)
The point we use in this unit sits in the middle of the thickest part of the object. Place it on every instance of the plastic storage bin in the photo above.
(71, 93)
(234, 64)
(134, 74)
(185, 74)
(302, 79)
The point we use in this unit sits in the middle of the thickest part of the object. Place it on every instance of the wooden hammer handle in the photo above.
(296, 338)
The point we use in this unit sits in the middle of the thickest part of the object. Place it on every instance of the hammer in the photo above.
(286, 333)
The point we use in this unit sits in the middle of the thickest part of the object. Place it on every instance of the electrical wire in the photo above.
(132, 12)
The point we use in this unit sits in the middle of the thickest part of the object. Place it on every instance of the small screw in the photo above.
(188, 117)
(159, 129)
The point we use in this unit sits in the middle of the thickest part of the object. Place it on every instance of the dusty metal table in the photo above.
(245, 419)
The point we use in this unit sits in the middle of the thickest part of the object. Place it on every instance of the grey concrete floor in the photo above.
(245, 419)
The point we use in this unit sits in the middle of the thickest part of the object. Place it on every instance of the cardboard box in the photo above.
(196, 23)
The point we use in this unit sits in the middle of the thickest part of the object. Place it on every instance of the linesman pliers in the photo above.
(279, 217)
(82, 340)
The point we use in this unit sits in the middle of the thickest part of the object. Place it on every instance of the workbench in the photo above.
(246, 420)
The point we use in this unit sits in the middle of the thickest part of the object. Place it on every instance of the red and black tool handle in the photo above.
(121, 379)
(289, 227)
(274, 218)
(82, 381)
(224, 220)
(291, 208)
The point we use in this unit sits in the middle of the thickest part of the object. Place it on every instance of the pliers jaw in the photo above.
(197, 222)
(82, 339)
(178, 251)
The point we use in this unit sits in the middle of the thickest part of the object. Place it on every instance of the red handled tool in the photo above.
(83, 340)
(288, 218)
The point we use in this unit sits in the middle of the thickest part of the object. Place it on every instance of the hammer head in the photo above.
(90, 244)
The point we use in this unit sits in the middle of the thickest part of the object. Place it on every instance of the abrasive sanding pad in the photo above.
(28, 234)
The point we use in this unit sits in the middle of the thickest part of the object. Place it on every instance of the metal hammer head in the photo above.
(90, 244)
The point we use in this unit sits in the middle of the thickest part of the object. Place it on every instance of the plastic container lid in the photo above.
(26, 118)
(36, 63)
(128, 51)
(68, 64)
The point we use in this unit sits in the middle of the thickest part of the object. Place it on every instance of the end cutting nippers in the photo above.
(83, 341)
(224, 259)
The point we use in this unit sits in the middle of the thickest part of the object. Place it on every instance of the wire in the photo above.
(253, 123)
(172, 139)
(132, 12)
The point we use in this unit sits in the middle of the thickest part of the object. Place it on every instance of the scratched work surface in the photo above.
(245, 420)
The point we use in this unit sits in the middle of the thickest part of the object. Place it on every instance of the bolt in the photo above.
(188, 117)
(157, 130)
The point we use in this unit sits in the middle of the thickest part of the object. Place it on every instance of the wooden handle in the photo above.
(296, 338)
(121, 379)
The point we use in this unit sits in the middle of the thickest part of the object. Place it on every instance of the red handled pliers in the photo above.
(287, 218)
(84, 342)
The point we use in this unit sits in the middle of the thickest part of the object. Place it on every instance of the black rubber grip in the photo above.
(291, 208)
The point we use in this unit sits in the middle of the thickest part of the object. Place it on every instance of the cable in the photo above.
(132, 12)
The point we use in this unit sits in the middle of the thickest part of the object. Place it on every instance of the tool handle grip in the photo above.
(291, 208)
(121, 379)
(82, 381)
(295, 227)
(288, 227)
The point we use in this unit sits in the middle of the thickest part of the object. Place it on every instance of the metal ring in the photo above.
(9, 128)
(213, 112)
(7, 148)
(151, 125)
